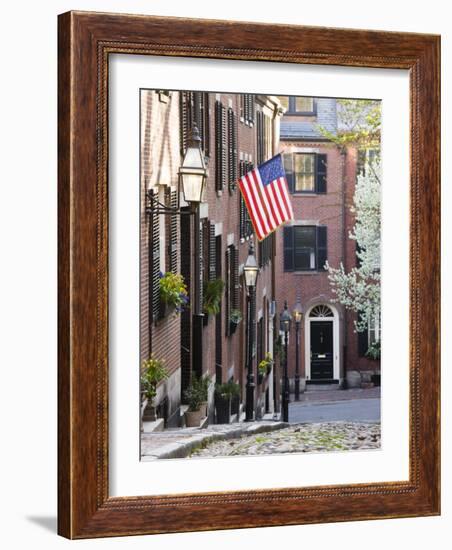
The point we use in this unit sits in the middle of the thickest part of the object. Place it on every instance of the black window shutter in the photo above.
(185, 120)
(206, 118)
(363, 342)
(212, 253)
(201, 117)
(198, 112)
(227, 309)
(155, 263)
(235, 287)
(224, 138)
(232, 150)
(288, 237)
(220, 146)
(173, 240)
(259, 136)
(321, 246)
(242, 203)
(321, 169)
(288, 169)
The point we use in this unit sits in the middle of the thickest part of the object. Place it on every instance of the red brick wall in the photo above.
(332, 210)
(163, 338)
(320, 209)
(224, 208)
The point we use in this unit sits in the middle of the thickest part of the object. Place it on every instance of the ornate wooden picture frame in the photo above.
(86, 40)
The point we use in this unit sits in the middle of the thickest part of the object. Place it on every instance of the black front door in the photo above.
(321, 350)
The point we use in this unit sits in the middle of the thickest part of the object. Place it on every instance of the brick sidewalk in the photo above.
(179, 442)
(310, 397)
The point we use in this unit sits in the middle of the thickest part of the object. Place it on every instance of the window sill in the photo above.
(308, 272)
(301, 113)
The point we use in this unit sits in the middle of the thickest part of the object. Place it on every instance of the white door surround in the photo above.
(321, 314)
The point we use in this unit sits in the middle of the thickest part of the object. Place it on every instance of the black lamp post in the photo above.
(285, 320)
(192, 180)
(298, 316)
(250, 271)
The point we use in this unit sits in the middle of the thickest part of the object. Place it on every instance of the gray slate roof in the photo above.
(326, 117)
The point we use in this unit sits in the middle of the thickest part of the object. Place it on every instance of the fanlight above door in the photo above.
(321, 311)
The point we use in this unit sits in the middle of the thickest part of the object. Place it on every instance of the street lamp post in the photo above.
(250, 271)
(192, 179)
(298, 315)
(285, 320)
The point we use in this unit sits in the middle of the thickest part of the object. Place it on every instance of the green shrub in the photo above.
(153, 372)
(212, 293)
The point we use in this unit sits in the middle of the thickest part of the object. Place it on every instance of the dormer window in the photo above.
(299, 105)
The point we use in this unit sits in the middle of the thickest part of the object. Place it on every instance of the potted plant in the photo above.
(196, 395)
(265, 367)
(153, 372)
(223, 403)
(234, 390)
(173, 293)
(235, 318)
(212, 293)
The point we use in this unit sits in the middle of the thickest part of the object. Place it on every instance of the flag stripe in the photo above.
(263, 197)
(243, 184)
(257, 203)
(271, 199)
(281, 202)
(283, 185)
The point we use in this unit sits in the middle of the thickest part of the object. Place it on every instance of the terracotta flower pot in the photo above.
(193, 418)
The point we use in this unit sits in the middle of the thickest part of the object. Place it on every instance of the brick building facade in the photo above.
(237, 131)
(322, 181)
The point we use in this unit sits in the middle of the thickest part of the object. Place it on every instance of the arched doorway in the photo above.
(322, 344)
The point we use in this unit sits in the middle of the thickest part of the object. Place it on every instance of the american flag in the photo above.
(266, 196)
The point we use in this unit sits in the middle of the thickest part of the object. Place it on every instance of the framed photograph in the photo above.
(248, 275)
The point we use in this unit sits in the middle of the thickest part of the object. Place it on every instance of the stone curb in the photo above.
(184, 448)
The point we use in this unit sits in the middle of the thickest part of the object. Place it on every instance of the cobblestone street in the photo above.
(321, 421)
(319, 437)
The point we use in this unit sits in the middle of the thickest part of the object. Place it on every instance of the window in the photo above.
(265, 248)
(284, 100)
(194, 107)
(304, 104)
(304, 167)
(306, 172)
(369, 336)
(297, 105)
(374, 330)
(247, 107)
(321, 311)
(305, 248)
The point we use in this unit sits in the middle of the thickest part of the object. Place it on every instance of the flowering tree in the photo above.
(359, 126)
(359, 289)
